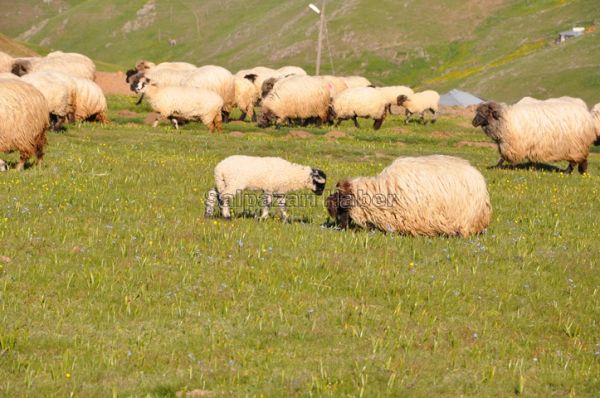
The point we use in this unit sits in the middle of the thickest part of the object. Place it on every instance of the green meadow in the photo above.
(112, 283)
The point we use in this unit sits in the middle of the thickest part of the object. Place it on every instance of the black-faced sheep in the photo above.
(545, 131)
(419, 103)
(272, 175)
(429, 195)
(23, 120)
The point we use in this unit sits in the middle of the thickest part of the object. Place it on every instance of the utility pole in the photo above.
(319, 45)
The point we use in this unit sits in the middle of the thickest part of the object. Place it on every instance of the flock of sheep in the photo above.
(431, 195)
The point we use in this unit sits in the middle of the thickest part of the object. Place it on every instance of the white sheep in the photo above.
(356, 81)
(90, 102)
(392, 93)
(295, 97)
(144, 66)
(292, 71)
(419, 103)
(183, 103)
(272, 175)
(72, 64)
(217, 79)
(23, 120)
(367, 102)
(8, 75)
(545, 131)
(429, 195)
(246, 96)
(57, 94)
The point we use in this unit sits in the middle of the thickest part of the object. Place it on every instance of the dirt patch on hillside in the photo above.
(469, 111)
(237, 134)
(300, 134)
(398, 130)
(334, 135)
(441, 134)
(151, 118)
(475, 144)
(113, 83)
(128, 114)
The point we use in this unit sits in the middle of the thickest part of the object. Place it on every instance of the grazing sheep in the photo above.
(419, 103)
(596, 116)
(367, 102)
(271, 175)
(296, 97)
(90, 102)
(217, 79)
(183, 103)
(356, 81)
(545, 131)
(72, 64)
(6, 62)
(334, 84)
(392, 93)
(57, 94)
(429, 195)
(23, 120)
(292, 71)
(246, 97)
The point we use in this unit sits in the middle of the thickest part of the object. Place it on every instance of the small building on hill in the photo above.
(459, 98)
(569, 34)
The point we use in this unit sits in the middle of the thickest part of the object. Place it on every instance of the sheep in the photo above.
(419, 103)
(57, 94)
(292, 71)
(296, 97)
(144, 66)
(246, 96)
(334, 84)
(72, 64)
(3, 166)
(596, 115)
(367, 102)
(391, 94)
(577, 101)
(217, 79)
(545, 131)
(6, 62)
(90, 102)
(356, 81)
(7, 75)
(23, 120)
(428, 195)
(182, 103)
(273, 176)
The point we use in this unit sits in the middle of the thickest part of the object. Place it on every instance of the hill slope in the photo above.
(496, 48)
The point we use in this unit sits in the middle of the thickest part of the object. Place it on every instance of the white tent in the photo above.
(459, 98)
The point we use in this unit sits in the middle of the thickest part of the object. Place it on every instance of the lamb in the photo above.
(217, 79)
(419, 103)
(23, 120)
(183, 103)
(546, 131)
(90, 102)
(246, 96)
(57, 94)
(367, 102)
(356, 81)
(392, 93)
(429, 195)
(273, 176)
(296, 97)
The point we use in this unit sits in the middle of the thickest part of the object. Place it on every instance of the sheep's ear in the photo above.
(496, 115)
(252, 77)
(318, 175)
(130, 73)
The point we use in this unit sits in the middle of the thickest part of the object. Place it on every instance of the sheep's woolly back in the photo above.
(176, 66)
(73, 64)
(297, 97)
(546, 131)
(577, 101)
(391, 93)
(23, 117)
(167, 76)
(6, 62)
(429, 195)
(189, 103)
(257, 70)
(90, 102)
(7, 75)
(356, 81)
(246, 95)
(360, 101)
(334, 84)
(419, 102)
(214, 78)
(57, 94)
(292, 70)
(596, 116)
(269, 174)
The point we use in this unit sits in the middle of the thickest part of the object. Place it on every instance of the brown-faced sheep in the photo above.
(429, 195)
(545, 131)
(23, 120)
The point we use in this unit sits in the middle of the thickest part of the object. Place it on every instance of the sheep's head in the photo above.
(267, 117)
(21, 67)
(3, 166)
(339, 204)
(487, 113)
(139, 84)
(267, 86)
(317, 180)
(401, 100)
(143, 65)
(130, 74)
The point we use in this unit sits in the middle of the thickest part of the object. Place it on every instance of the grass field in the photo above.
(113, 284)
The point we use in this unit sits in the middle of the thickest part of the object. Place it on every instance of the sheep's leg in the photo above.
(355, 120)
(253, 116)
(225, 116)
(423, 121)
(60, 120)
(377, 124)
(175, 123)
(337, 122)
(22, 160)
(211, 198)
(570, 168)
(242, 116)
(224, 201)
(280, 200)
(407, 116)
(434, 116)
(157, 121)
(582, 167)
(39, 149)
(267, 199)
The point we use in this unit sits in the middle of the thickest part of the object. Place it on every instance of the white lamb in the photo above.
(419, 103)
(272, 175)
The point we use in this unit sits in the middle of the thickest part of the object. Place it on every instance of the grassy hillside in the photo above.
(499, 49)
